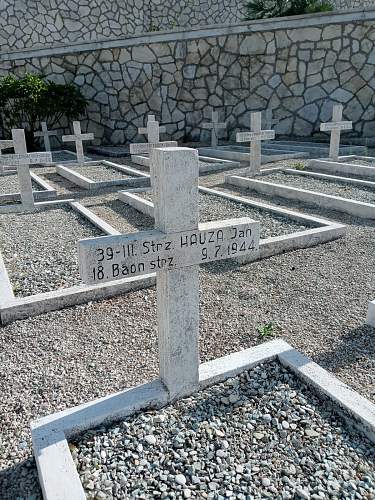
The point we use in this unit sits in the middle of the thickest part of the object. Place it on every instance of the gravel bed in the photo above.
(348, 191)
(10, 184)
(262, 434)
(40, 249)
(99, 172)
(118, 214)
(215, 208)
(316, 299)
(62, 156)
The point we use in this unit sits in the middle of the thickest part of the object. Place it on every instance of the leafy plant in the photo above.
(299, 166)
(266, 330)
(265, 9)
(26, 101)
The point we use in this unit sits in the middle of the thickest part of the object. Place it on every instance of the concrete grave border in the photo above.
(65, 162)
(13, 308)
(340, 167)
(58, 475)
(327, 201)
(47, 193)
(268, 153)
(140, 178)
(370, 319)
(326, 177)
(216, 164)
(268, 247)
(315, 149)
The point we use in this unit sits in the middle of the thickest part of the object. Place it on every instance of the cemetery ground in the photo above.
(314, 298)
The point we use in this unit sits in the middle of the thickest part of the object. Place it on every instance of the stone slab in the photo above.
(315, 149)
(112, 151)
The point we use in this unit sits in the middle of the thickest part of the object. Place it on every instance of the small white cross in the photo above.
(174, 250)
(255, 137)
(152, 130)
(335, 127)
(268, 118)
(78, 138)
(215, 127)
(45, 133)
(22, 159)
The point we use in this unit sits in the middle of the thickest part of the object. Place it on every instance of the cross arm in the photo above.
(255, 136)
(18, 160)
(111, 258)
(328, 126)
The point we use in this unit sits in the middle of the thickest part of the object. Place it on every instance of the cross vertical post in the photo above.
(23, 172)
(174, 177)
(45, 133)
(255, 136)
(335, 127)
(214, 126)
(78, 138)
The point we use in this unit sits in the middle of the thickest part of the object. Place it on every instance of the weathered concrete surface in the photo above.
(297, 67)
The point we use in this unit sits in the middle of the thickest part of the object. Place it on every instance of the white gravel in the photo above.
(40, 249)
(316, 299)
(99, 172)
(212, 208)
(263, 434)
(10, 184)
(323, 186)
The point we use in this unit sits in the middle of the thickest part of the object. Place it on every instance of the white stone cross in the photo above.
(335, 127)
(45, 133)
(152, 131)
(215, 127)
(255, 136)
(174, 250)
(268, 118)
(22, 159)
(78, 138)
(4, 144)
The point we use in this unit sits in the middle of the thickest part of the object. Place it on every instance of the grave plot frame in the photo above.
(315, 198)
(140, 178)
(275, 245)
(370, 319)
(50, 434)
(328, 177)
(234, 152)
(215, 164)
(13, 308)
(342, 167)
(47, 193)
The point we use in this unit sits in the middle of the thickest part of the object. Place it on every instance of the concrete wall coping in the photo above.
(183, 34)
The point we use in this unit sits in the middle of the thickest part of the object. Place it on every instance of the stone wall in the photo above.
(298, 72)
(32, 23)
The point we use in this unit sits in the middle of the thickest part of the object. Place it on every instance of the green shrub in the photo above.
(264, 9)
(27, 101)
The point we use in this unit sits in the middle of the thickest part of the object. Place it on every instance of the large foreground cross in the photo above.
(22, 159)
(255, 136)
(46, 134)
(78, 138)
(174, 249)
(215, 127)
(152, 130)
(335, 127)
